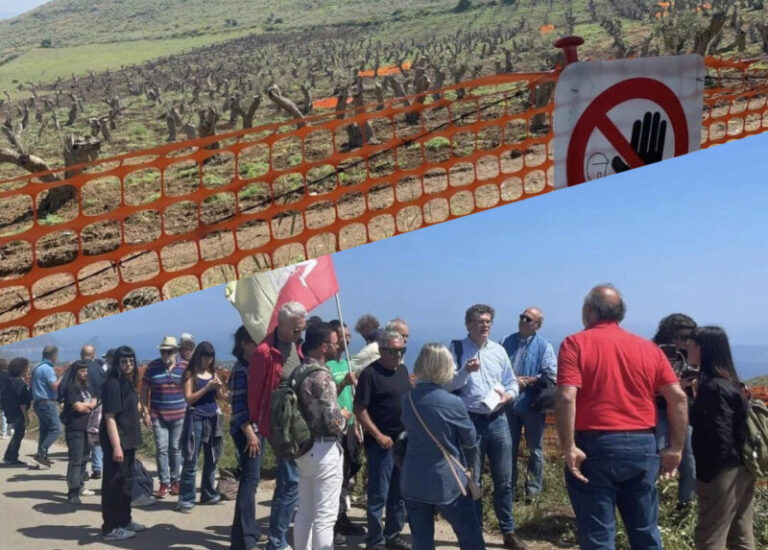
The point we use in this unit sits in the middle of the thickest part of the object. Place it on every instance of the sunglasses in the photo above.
(394, 351)
(526, 319)
(167, 351)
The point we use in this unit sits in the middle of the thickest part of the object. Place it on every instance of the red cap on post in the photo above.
(570, 46)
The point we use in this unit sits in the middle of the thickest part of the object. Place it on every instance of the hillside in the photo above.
(78, 22)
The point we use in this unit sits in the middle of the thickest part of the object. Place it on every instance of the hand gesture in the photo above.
(385, 442)
(670, 460)
(574, 457)
(473, 365)
(648, 136)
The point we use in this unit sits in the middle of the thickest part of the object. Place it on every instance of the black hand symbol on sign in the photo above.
(648, 137)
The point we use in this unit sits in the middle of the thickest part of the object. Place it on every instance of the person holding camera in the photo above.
(672, 337)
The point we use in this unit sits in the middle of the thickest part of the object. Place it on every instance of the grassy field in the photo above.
(48, 64)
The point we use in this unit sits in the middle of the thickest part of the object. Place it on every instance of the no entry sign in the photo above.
(611, 116)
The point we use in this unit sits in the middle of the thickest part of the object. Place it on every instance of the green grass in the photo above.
(47, 64)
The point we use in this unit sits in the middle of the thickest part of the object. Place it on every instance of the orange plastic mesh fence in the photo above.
(177, 218)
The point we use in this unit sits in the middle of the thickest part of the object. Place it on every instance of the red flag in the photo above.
(310, 283)
(259, 297)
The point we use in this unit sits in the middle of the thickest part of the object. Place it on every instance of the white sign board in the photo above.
(611, 116)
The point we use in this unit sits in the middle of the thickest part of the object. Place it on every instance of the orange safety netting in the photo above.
(185, 216)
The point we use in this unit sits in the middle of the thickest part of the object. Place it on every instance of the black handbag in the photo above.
(543, 395)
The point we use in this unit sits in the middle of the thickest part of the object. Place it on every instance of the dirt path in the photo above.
(36, 516)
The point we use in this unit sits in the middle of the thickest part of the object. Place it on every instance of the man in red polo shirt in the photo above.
(605, 414)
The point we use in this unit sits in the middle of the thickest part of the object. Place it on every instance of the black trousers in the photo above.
(78, 448)
(116, 490)
(19, 427)
(352, 464)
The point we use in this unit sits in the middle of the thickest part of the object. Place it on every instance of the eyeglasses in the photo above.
(167, 351)
(394, 351)
(526, 319)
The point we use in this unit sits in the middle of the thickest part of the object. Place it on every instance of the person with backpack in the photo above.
(16, 400)
(724, 487)
(78, 406)
(44, 401)
(321, 468)
(435, 476)
(120, 436)
(97, 375)
(272, 362)
(202, 427)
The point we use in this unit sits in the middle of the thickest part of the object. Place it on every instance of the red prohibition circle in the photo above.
(595, 117)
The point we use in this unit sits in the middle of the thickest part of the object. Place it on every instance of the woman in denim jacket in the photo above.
(428, 482)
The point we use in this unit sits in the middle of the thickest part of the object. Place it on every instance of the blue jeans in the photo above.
(383, 491)
(97, 458)
(460, 514)
(284, 501)
(245, 528)
(189, 471)
(621, 468)
(495, 441)
(533, 422)
(167, 450)
(50, 427)
(687, 469)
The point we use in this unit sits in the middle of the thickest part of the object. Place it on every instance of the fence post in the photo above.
(570, 46)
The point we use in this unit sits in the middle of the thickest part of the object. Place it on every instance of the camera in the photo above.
(679, 362)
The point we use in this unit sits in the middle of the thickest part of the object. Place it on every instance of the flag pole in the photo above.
(341, 320)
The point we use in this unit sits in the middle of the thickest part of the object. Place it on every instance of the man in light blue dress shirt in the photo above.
(534, 364)
(486, 384)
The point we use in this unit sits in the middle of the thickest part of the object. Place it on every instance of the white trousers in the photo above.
(321, 473)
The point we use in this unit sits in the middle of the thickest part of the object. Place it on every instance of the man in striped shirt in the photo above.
(164, 406)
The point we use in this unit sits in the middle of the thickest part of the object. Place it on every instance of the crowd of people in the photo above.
(628, 411)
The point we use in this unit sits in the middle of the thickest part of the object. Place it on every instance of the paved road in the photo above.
(35, 515)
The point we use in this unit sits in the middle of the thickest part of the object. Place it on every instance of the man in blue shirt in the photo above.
(485, 382)
(535, 365)
(44, 386)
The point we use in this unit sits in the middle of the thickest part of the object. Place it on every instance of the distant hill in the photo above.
(758, 380)
(77, 22)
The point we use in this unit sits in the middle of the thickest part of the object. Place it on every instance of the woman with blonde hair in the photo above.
(434, 474)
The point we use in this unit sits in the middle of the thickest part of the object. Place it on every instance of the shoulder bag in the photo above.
(474, 489)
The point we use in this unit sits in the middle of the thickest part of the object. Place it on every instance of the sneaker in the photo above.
(74, 499)
(339, 539)
(135, 527)
(162, 491)
(344, 526)
(96, 475)
(397, 543)
(119, 533)
(3, 437)
(184, 509)
(87, 493)
(43, 461)
(511, 540)
(175, 490)
(143, 501)
(214, 500)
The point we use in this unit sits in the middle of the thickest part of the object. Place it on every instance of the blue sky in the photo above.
(689, 234)
(9, 8)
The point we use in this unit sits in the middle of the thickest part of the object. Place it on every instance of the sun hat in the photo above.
(169, 342)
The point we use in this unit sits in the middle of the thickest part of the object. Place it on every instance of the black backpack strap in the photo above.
(458, 349)
(295, 382)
